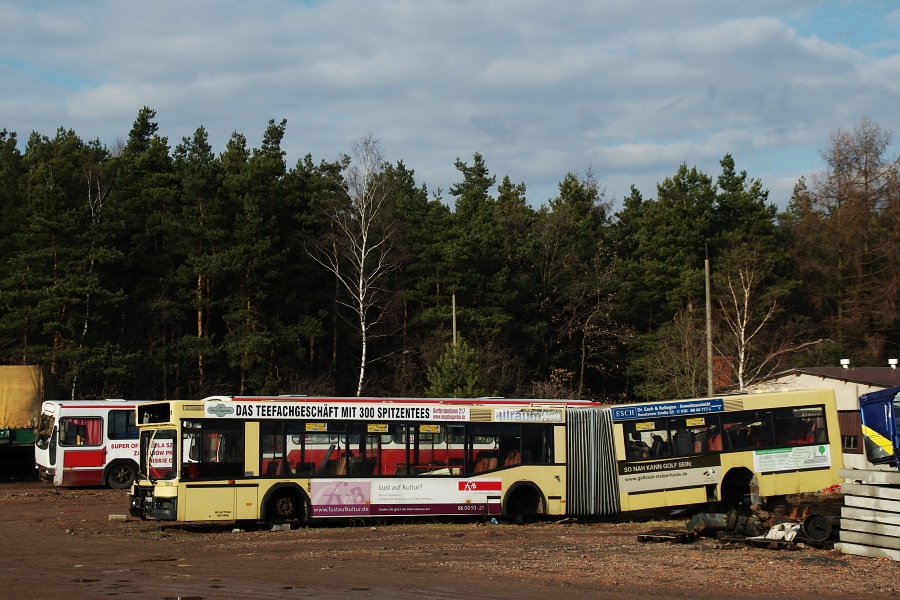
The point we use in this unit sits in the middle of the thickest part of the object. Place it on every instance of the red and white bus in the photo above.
(87, 443)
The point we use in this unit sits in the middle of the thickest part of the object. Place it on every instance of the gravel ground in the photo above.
(75, 544)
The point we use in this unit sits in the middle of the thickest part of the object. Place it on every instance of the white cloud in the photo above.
(631, 89)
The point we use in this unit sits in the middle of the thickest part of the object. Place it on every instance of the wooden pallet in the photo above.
(675, 536)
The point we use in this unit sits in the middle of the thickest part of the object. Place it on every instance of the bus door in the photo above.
(214, 450)
(80, 441)
(358, 446)
(420, 448)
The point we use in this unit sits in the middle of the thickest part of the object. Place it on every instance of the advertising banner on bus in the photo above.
(693, 471)
(394, 496)
(668, 409)
(792, 459)
(334, 410)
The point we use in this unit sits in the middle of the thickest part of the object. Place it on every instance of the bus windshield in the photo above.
(158, 454)
(44, 430)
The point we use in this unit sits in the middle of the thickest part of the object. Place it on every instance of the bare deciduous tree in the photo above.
(97, 187)
(359, 250)
(747, 306)
(675, 365)
(851, 202)
(744, 313)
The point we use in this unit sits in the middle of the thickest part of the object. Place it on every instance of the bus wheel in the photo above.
(285, 506)
(121, 476)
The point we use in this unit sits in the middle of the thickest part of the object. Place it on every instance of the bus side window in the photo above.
(361, 465)
(121, 425)
(747, 429)
(323, 464)
(659, 447)
(797, 426)
(509, 450)
(821, 435)
(85, 431)
(684, 442)
(751, 436)
(637, 449)
(485, 461)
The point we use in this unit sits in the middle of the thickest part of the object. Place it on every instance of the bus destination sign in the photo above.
(668, 409)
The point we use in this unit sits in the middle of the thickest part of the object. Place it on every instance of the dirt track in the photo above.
(64, 544)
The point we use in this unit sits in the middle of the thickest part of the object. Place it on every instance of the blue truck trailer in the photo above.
(879, 412)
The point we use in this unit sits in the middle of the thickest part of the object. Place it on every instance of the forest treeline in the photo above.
(146, 271)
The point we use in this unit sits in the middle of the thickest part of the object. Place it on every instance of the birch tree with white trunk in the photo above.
(358, 251)
(749, 301)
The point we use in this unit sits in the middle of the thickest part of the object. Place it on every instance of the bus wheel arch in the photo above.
(286, 502)
(120, 474)
(738, 487)
(524, 499)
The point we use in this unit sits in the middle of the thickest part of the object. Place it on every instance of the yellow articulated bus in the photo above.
(297, 458)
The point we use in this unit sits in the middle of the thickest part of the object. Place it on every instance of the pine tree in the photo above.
(576, 283)
(206, 221)
(253, 261)
(146, 218)
(457, 373)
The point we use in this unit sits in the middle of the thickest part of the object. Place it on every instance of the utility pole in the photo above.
(710, 384)
(453, 301)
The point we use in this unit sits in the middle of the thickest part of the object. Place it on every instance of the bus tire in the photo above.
(121, 475)
(285, 505)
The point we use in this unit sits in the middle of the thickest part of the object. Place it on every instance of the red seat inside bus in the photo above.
(278, 468)
(513, 458)
(485, 461)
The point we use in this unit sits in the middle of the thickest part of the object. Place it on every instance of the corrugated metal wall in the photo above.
(592, 485)
(851, 426)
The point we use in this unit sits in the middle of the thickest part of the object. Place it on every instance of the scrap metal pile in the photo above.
(756, 527)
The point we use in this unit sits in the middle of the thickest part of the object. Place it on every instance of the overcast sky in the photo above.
(630, 89)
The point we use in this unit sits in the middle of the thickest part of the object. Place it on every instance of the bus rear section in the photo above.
(734, 450)
(86, 443)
